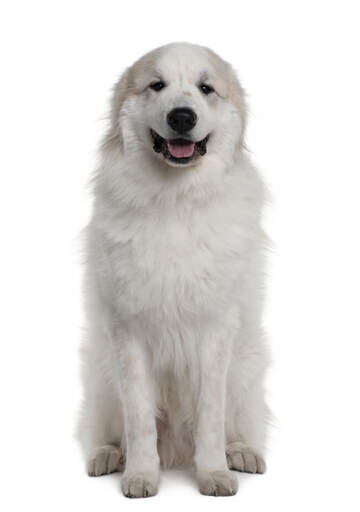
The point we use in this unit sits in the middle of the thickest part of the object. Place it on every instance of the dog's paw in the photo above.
(140, 484)
(104, 460)
(243, 458)
(217, 483)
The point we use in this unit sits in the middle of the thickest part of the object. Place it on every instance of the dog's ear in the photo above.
(121, 91)
(237, 96)
(234, 91)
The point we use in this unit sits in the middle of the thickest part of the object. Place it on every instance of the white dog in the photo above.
(174, 357)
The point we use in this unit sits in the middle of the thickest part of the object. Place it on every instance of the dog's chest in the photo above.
(171, 267)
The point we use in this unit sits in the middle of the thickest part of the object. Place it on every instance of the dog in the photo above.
(174, 356)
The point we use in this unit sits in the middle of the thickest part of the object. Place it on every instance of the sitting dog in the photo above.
(174, 356)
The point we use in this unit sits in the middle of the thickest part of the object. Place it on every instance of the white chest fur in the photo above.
(177, 266)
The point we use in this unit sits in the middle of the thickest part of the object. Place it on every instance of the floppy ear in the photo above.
(237, 96)
(120, 93)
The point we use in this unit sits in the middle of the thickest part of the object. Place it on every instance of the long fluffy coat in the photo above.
(174, 353)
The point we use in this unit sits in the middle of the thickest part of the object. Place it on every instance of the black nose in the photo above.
(182, 120)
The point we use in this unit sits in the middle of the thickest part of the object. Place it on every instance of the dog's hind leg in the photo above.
(100, 429)
(100, 435)
(246, 410)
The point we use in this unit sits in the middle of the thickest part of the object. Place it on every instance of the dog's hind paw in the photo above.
(243, 458)
(104, 460)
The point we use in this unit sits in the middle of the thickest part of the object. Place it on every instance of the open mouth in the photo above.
(179, 150)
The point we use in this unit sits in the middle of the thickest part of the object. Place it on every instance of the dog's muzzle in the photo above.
(179, 150)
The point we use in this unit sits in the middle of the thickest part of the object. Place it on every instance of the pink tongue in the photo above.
(181, 151)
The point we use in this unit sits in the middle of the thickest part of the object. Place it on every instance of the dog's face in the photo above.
(182, 102)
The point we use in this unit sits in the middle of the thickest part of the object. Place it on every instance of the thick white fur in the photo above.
(174, 356)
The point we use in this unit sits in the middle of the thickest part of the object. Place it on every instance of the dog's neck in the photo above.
(140, 181)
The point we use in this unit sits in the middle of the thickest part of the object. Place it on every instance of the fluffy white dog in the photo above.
(174, 357)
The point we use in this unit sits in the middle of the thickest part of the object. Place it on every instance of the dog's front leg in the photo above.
(212, 472)
(137, 396)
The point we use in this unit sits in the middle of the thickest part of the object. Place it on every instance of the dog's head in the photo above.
(181, 102)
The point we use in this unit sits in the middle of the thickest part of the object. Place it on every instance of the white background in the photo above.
(299, 62)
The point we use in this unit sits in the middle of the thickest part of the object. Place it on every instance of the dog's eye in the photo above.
(206, 89)
(157, 86)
